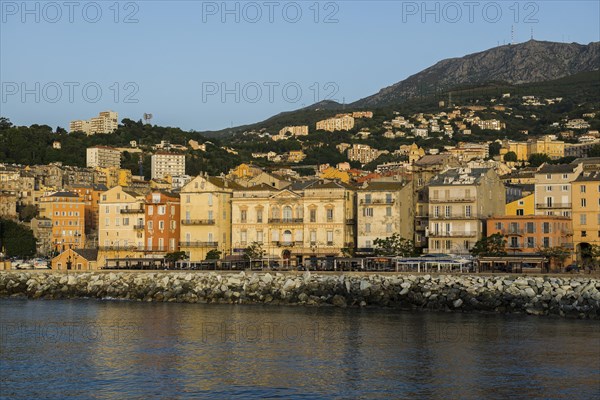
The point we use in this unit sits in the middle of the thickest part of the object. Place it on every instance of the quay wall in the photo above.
(565, 296)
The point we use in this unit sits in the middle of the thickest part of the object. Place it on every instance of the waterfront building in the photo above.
(66, 210)
(305, 221)
(553, 188)
(586, 213)
(459, 200)
(121, 230)
(162, 222)
(384, 209)
(75, 259)
(527, 234)
(206, 216)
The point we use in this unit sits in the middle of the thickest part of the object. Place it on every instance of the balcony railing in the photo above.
(457, 234)
(455, 216)
(553, 205)
(460, 199)
(286, 220)
(388, 202)
(280, 243)
(132, 211)
(198, 244)
(138, 226)
(511, 231)
(197, 222)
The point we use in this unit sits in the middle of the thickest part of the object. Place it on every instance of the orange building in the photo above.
(66, 210)
(526, 234)
(91, 197)
(162, 222)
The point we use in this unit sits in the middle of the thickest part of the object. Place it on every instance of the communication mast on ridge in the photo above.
(147, 118)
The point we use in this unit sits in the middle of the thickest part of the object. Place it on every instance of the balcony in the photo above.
(198, 244)
(460, 199)
(197, 222)
(287, 244)
(376, 202)
(132, 211)
(452, 234)
(286, 220)
(422, 215)
(510, 231)
(119, 248)
(455, 216)
(138, 226)
(350, 221)
(552, 206)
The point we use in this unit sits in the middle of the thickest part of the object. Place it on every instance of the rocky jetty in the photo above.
(569, 296)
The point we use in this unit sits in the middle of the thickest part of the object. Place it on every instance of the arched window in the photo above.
(287, 213)
(287, 236)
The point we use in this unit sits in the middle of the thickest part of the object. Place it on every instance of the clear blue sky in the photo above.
(175, 57)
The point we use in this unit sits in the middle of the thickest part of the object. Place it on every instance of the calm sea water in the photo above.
(126, 350)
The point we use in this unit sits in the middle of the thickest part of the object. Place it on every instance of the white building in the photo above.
(164, 164)
(103, 157)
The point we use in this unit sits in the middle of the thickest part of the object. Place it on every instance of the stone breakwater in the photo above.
(576, 296)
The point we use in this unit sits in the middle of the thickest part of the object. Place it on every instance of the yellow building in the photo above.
(105, 122)
(553, 148)
(303, 222)
(335, 174)
(121, 223)
(206, 216)
(586, 212)
(519, 148)
(115, 177)
(523, 206)
(244, 171)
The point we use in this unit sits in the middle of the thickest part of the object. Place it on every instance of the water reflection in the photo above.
(62, 349)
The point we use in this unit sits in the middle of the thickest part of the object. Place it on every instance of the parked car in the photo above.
(572, 268)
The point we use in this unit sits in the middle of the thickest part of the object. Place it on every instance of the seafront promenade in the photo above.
(576, 296)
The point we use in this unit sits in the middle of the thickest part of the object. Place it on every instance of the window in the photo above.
(103, 197)
(514, 227)
(187, 198)
(388, 198)
(161, 244)
(243, 215)
(150, 210)
(106, 210)
(530, 242)
(388, 211)
(582, 188)
(468, 211)
(565, 176)
(259, 236)
(330, 238)
(368, 228)
(498, 226)
(313, 238)
(583, 233)
(287, 214)
(546, 241)
(172, 244)
(565, 188)
(313, 215)
(162, 210)
(436, 211)
(520, 211)
(125, 221)
(329, 214)
(388, 228)
(243, 237)
(583, 219)
(161, 225)
(150, 225)
(548, 176)
(514, 242)
(546, 227)
(583, 202)
(259, 216)
(548, 188)
(367, 198)
(368, 212)
(106, 222)
(173, 224)
(530, 227)
(368, 244)
(436, 194)
(210, 199)
(448, 211)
